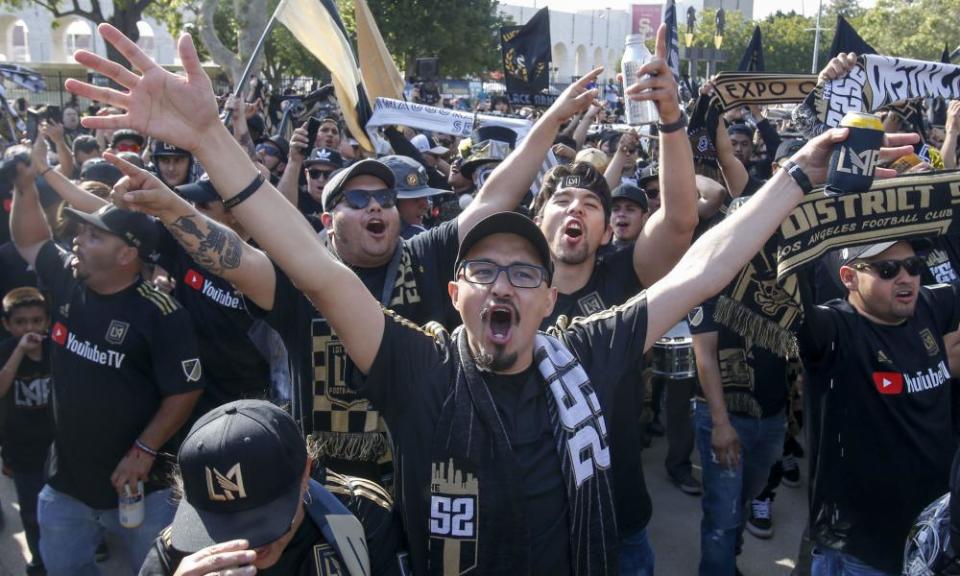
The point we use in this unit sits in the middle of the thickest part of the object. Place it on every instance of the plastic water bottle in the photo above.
(636, 55)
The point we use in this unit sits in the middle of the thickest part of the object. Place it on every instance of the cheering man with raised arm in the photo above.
(485, 454)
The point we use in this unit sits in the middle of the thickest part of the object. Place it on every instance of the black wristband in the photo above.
(798, 175)
(245, 193)
(673, 126)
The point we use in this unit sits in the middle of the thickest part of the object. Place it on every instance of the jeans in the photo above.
(680, 439)
(636, 554)
(70, 531)
(830, 562)
(28, 485)
(728, 491)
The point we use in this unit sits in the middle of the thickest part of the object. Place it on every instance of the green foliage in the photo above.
(913, 29)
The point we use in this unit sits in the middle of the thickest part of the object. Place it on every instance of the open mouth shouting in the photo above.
(376, 227)
(904, 295)
(500, 319)
(573, 232)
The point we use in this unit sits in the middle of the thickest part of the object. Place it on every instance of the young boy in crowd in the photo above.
(25, 390)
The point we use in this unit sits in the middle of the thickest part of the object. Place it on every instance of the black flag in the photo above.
(752, 60)
(526, 60)
(846, 39)
(673, 40)
(945, 55)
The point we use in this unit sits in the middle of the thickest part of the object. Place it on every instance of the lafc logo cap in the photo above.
(242, 465)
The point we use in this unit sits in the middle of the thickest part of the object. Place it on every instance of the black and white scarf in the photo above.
(475, 470)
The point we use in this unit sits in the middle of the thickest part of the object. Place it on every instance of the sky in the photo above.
(761, 8)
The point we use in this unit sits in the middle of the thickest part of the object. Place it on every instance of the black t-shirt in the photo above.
(115, 358)
(413, 374)
(942, 260)
(885, 436)
(612, 283)
(234, 366)
(317, 359)
(523, 408)
(29, 422)
(754, 380)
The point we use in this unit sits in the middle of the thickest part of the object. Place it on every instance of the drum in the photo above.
(673, 358)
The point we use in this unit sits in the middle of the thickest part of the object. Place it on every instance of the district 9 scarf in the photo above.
(763, 301)
(874, 82)
(475, 470)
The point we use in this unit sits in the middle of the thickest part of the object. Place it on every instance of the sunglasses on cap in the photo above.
(888, 269)
(128, 147)
(317, 174)
(359, 199)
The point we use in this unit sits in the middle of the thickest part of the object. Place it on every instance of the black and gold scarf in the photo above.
(763, 302)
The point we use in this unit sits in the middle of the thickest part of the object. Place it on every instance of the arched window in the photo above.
(78, 36)
(147, 41)
(19, 49)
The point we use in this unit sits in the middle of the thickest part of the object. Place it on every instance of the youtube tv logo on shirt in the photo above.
(888, 382)
(59, 333)
(193, 279)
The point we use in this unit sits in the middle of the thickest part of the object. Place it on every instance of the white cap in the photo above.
(423, 146)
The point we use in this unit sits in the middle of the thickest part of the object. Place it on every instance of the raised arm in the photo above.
(717, 256)
(626, 155)
(667, 234)
(54, 131)
(951, 133)
(28, 225)
(182, 110)
(69, 192)
(509, 182)
(289, 184)
(734, 172)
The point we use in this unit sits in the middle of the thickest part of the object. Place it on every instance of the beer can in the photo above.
(855, 160)
(131, 506)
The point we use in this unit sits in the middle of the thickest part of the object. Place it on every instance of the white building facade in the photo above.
(28, 36)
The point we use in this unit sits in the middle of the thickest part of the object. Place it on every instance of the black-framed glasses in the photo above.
(888, 269)
(520, 275)
(317, 174)
(359, 199)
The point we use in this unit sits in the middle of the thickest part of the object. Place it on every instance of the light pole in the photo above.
(816, 39)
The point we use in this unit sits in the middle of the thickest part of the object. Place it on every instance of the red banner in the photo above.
(646, 19)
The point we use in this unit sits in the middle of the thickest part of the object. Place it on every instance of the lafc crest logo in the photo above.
(192, 369)
(225, 487)
(929, 342)
(412, 179)
(116, 332)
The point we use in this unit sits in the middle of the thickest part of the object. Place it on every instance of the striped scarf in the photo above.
(474, 468)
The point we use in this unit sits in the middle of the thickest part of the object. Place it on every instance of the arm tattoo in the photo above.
(217, 249)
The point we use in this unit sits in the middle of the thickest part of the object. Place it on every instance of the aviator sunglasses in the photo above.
(359, 199)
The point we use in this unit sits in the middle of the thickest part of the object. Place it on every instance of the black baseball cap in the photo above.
(135, 228)
(411, 178)
(649, 172)
(788, 148)
(631, 192)
(198, 192)
(508, 223)
(161, 148)
(242, 466)
(324, 156)
(99, 170)
(368, 167)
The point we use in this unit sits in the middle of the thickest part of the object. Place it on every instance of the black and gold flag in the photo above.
(752, 60)
(526, 60)
(846, 39)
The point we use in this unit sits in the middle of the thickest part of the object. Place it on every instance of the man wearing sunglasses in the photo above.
(877, 370)
(473, 507)
(272, 153)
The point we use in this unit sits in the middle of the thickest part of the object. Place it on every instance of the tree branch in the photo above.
(221, 54)
(55, 11)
